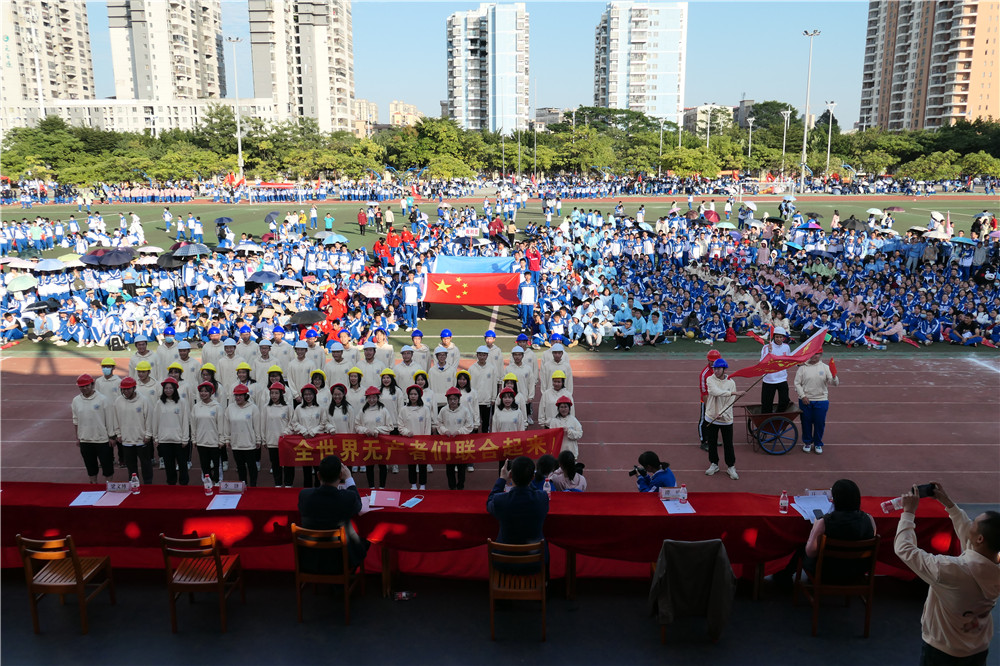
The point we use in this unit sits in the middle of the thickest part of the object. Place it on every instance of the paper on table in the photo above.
(111, 499)
(807, 504)
(366, 506)
(87, 498)
(221, 501)
(675, 506)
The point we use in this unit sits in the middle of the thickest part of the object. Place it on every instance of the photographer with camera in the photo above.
(957, 622)
(651, 474)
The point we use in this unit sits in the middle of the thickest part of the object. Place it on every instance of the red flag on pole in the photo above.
(833, 367)
(772, 363)
(756, 337)
(473, 288)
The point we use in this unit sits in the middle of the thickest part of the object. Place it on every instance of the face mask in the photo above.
(107, 371)
(168, 339)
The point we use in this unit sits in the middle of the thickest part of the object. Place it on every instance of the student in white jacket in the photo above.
(240, 433)
(372, 420)
(307, 420)
(275, 420)
(131, 418)
(170, 428)
(415, 418)
(206, 431)
(456, 418)
(572, 430)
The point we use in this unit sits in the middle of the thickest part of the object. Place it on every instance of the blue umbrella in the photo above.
(50, 265)
(789, 197)
(192, 250)
(645, 226)
(91, 259)
(223, 220)
(963, 239)
(264, 277)
(794, 246)
(272, 216)
(736, 235)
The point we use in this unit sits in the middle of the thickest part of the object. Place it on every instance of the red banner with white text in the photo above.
(298, 451)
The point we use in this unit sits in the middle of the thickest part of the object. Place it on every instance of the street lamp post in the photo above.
(708, 135)
(829, 134)
(784, 135)
(659, 163)
(805, 118)
(239, 126)
(750, 142)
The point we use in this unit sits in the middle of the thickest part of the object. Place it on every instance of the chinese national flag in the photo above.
(771, 363)
(472, 288)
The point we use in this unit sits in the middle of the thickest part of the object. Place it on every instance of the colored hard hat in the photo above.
(245, 329)
(308, 387)
(522, 338)
(169, 330)
(714, 354)
(169, 380)
(372, 390)
(229, 342)
(446, 333)
(463, 372)
(209, 385)
(558, 347)
(564, 400)
(241, 389)
(508, 391)
(312, 334)
(356, 370)
(301, 344)
(244, 366)
(318, 372)
(141, 338)
(175, 366)
(84, 380)
(416, 388)
(453, 391)
(278, 329)
(128, 383)
(336, 346)
(275, 368)
(558, 374)
(555, 337)
(143, 366)
(382, 330)
(108, 361)
(780, 330)
(720, 363)
(387, 371)
(490, 334)
(214, 330)
(264, 343)
(482, 349)
(420, 372)
(510, 377)
(276, 386)
(209, 366)
(417, 333)
(406, 348)
(369, 344)
(340, 386)
(183, 344)
(518, 349)
(440, 349)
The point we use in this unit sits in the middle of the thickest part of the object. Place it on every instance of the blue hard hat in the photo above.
(278, 329)
(169, 330)
(417, 333)
(490, 334)
(214, 330)
(446, 333)
(522, 337)
(720, 363)
(245, 329)
(312, 334)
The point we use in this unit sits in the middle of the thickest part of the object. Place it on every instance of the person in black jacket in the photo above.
(334, 503)
(521, 512)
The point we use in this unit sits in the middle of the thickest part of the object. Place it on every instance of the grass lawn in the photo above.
(469, 323)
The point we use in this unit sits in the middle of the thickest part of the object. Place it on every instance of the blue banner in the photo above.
(447, 264)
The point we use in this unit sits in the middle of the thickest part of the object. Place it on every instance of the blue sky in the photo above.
(734, 48)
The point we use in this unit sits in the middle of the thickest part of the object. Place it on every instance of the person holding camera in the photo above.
(722, 394)
(957, 622)
(651, 474)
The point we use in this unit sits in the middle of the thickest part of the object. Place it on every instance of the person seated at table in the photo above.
(521, 512)
(543, 470)
(331, 505)
(569, 476)
(652, 474)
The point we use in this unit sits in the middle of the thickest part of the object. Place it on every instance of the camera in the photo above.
(637, 470)
(925, 490)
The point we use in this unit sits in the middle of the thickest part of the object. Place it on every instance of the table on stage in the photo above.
(604, 534)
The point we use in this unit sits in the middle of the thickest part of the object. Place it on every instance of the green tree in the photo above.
(981, 164)
(686, 162)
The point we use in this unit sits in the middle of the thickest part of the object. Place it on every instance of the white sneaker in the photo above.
(413, 486)
(733, 475)
(354, 469)
(395, 469)
(423, 487)
(225, 465)
(471, 468)
(712, 469)
(364, 468)
(807, 448)
(819, 450)
(258, 465)
(531, 421)
(430, 468)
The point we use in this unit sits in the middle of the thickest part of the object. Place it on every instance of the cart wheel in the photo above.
(752, 437)
(777, 435)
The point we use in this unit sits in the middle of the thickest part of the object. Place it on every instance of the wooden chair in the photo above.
(197, 564)
(834, 552)
(322, 541)
(520, 587)
(52, 566)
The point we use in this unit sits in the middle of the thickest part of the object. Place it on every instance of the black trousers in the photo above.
(246, 465)
(624, 341)
(767, 392)
(383, 473)
(701, 426)
(136, 458)
(309, 479)
(283, 476)
(456, 476)
(211, 461)
(931, 656)
(98, 455)
(175, 457)
(712, 431)
(485, 417)
(418, 474)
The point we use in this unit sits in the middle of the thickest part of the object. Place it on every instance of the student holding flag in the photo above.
(812, 381)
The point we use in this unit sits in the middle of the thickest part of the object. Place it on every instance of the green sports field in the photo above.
(469, 323)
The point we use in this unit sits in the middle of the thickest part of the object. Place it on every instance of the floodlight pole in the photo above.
(805, 118)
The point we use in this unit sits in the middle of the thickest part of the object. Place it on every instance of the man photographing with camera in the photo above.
(957, 622)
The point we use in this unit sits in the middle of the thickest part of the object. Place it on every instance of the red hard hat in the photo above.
(338, 386)
(564, 400)
(453, 391)
(169, 380)
(309, 387)
(128, 383)
(241, 389)
(371, 390)
(714, 354)
(84, 380)
(419, 390)
(209, 385)
(277, 386)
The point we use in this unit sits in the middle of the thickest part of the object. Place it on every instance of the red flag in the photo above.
(772, 363)
(228, 180)
(241, 182)
(833, 368)
(756, 337)
(911, 342)
(473, 288)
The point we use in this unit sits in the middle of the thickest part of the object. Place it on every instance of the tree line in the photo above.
(592, 140)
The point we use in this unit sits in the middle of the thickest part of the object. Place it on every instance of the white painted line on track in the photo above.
(984, 364)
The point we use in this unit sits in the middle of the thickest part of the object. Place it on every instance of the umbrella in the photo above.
(794, 246)
(30, 253)
(810, 225)
(272, 216)
(248, 247)
(445, 205)
(50, 304)
(773, 220)
(757, 224)
(918, 230)
(372, 290)
(21, 263)
(935, 215)
(895, 209)
(223, 220)
(333, 239)
(267, 238)
(68, 257)
(50, 265)
(789, 197)
(22, 283)
(691, 215)
(91, 260)
(938, 234)
(854, 224)
(979, 215)
(5, 260)
(963, 239)
(264, 277)
(76, 263)
(646, 227)
(822, 253)
(711, 216)
(995, 234)
(320, 235)
(874, 211)
(118, 257)
(725, 225)
(306, 317)
(751, 205)
(147, 261)
(150, 249)
(288, 282)
(223, 249)
(168, 260)
(737, 236)
(815, 216)
(192, 250)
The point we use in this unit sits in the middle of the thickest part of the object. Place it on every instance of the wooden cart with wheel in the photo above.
(773, 432)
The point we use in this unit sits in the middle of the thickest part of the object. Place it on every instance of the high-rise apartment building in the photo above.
(364, 114)
(402, 114)
(46, 52)
(488, 67)
(930, 63)
(303, 58)
(167, 49)
(639, 54)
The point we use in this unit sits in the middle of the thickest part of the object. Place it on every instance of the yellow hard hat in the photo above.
(108, 361)
(463, 372)
(209, 366)
(175, 366)
(510, 377)
(275, 368)
(420, 372)
(244, 366)
(318, 372)
(143, 366)
(356, 370)
(387, 371)
(558, 374)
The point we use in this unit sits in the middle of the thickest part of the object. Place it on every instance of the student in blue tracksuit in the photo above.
(652, 474)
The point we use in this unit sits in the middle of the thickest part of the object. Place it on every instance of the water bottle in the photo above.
(684, 493)
(133, 484)
(783, 502)
(547, 487)
(208, 485)
(889, 506)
